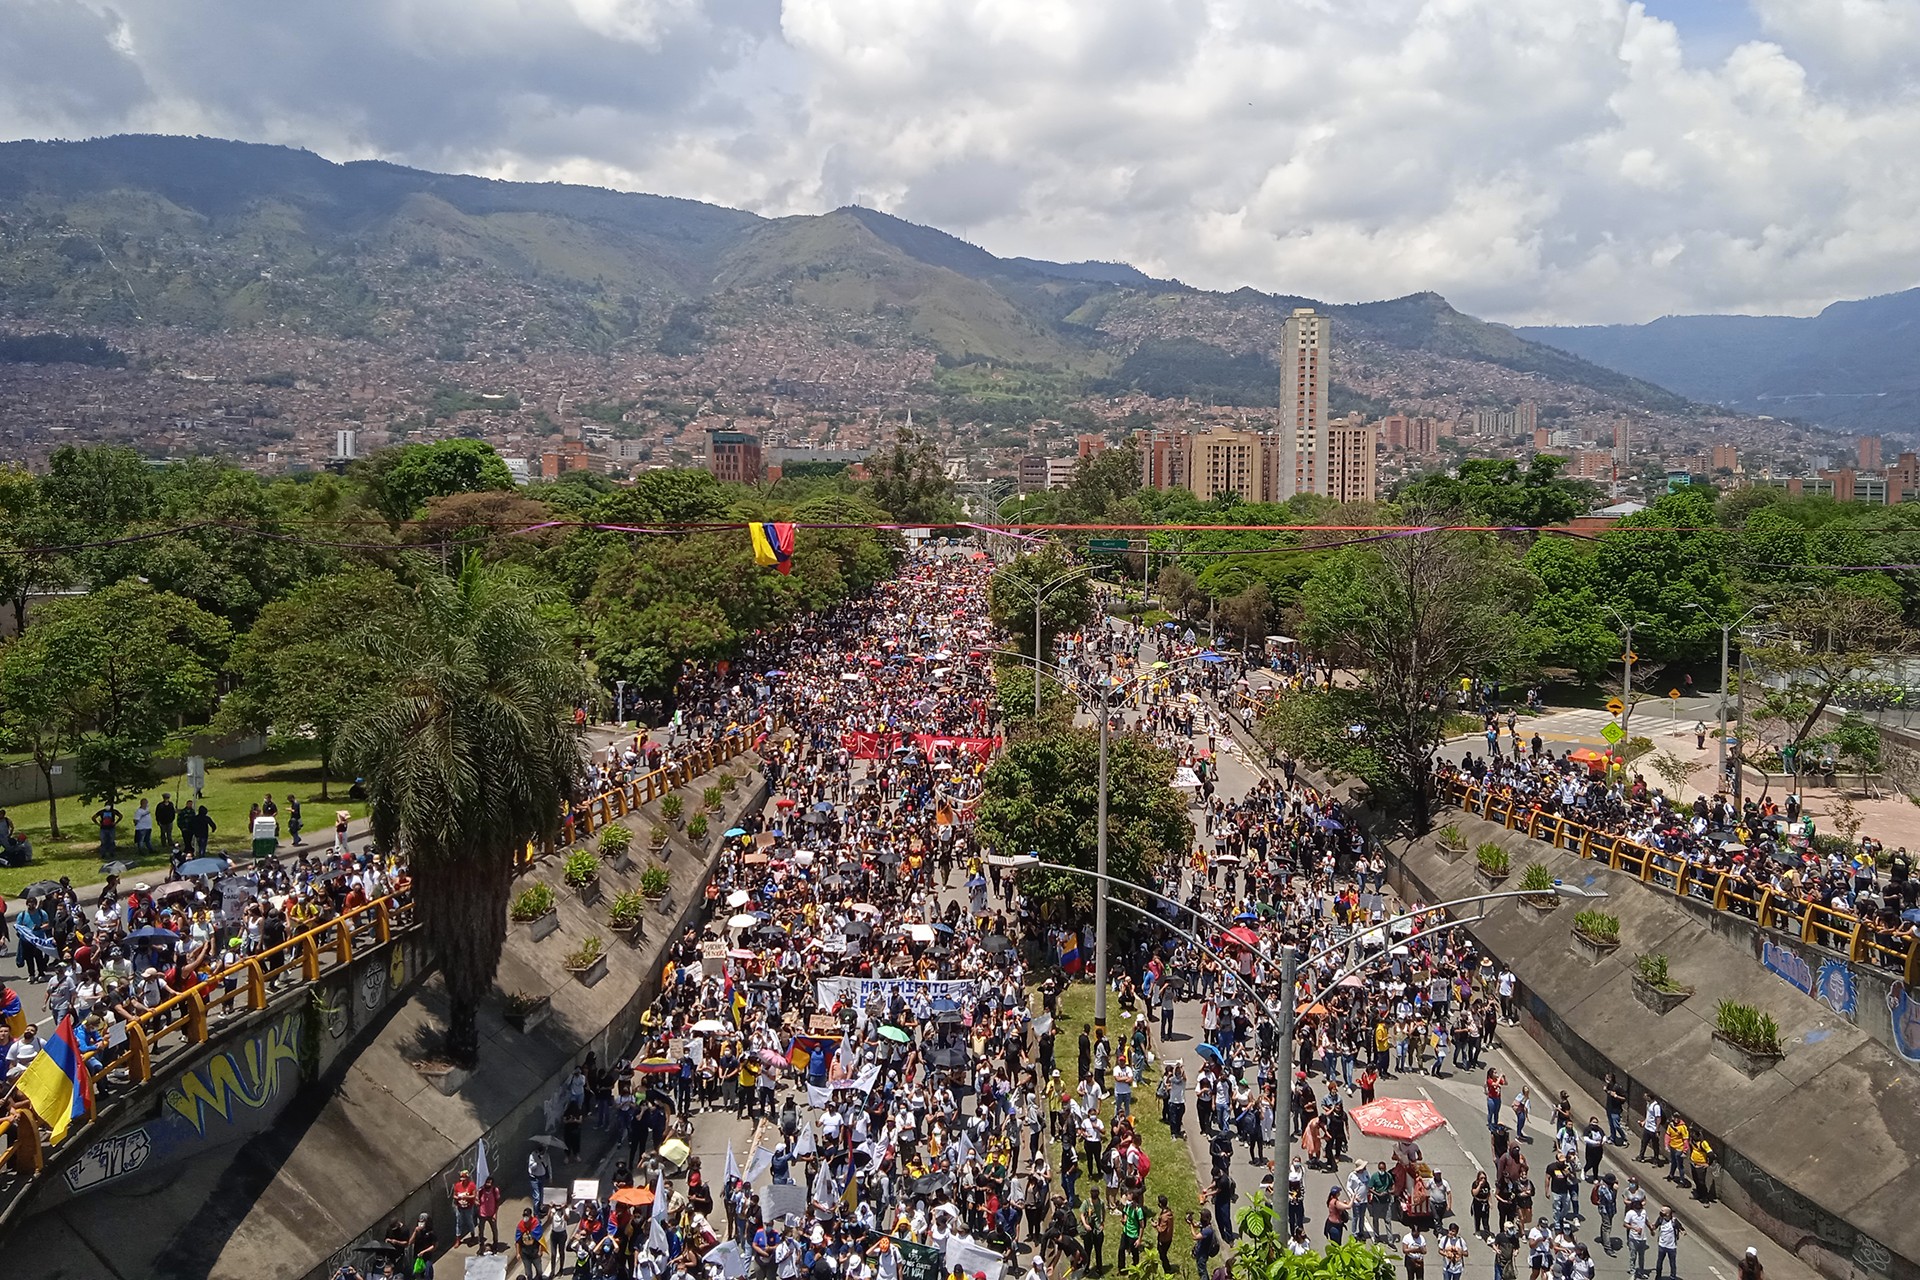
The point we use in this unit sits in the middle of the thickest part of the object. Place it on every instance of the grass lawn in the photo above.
(230, 790)
(1173, 1174)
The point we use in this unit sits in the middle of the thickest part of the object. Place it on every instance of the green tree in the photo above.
(1817, 642)
(1067, 606)
(1041, 795)
(41, 688)
(1499, 492)
(401, 480)
(125, 664)
(910, 481)
(469, 753)
(1566, 625)
(304, 669)
(1419, 612)
(28, 531)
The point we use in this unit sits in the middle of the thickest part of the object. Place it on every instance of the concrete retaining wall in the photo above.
(279, 1195)
(1818, 1151)
(22, 784)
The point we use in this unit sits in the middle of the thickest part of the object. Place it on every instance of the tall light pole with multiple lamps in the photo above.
(1038, 594)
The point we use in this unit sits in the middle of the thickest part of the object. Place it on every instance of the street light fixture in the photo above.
(1626, 669)
(1038, 595)
(1726, 633)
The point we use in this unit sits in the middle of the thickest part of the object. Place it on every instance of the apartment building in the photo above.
(1306, 360)
(1163, 458)
(1230, 462)
(733, 457)
(1037, 472)
(1351, 460)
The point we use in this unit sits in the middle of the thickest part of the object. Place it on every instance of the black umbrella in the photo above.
(40, 889)
(950, 1056)
(932, 1184)
(858, 929)
(995, 943)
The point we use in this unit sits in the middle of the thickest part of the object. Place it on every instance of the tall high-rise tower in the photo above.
(1306, 349)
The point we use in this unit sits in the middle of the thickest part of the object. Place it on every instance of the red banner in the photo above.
(869, 746)
(931, 745)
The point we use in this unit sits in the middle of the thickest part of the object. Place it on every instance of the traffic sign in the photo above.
(1674, 694)
(1613, 732)
(1107, 544)
(1631, 656)
(1616, 706)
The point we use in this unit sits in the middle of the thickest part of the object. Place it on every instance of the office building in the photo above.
(733, 457)
(1306, 358)
(1229, 462)
(1904, 474)
(1163, 458)
(1037, 472)
(346, 444)
(1089, 445)
(1867, 453)
(1622, 441)
(1724, 457)
(1350, 461)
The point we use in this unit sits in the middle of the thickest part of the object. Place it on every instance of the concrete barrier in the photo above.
(1818, 1151)
(286, 1190)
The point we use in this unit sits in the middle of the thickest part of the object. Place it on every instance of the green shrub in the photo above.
(519, 1004)
(581, 868)
(1450, 836)
(1653, 972)
(672, 807)
(531, 903)
(653, 882)
(625, 910)
(1535, 878)
(660, 836)
(1598, 925)
(589, 952)
(728, 781)
(697, 826)
(712, 797)
(1747, 1027)
(615, 840)
(1493, 859)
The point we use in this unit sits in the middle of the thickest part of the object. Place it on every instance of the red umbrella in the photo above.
(1398, 1117)
(784, 802)
(1243, 937)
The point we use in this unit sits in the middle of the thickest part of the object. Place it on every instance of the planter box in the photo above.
(1592, 950)
(525, 1022)
(1744, 1059)
(1487, 878)
(1661, 1002)
(443, 1077)
(1543, 906)
(1451, 852)
(637, 936)
(622, 861)
(589, 892)
(542, 927)
(593, 972)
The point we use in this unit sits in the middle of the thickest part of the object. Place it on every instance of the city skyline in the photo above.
(1336, 154)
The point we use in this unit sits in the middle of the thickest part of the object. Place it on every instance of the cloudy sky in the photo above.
(1534, 160)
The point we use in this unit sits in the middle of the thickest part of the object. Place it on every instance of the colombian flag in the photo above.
(11, 1012)
(1070, 959)
(57, 1082)
(800, 1049)
(772, 544)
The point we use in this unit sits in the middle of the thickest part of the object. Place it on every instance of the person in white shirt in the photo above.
(1666, 1241)
(23, 1051)
(1635, 1224)
(1413, 1251)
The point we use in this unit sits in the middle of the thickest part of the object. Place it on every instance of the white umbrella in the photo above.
(865, 909)
(706, 1025)
(742, 921)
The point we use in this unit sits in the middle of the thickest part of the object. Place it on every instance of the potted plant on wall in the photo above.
(671, 807)
(525, 1012)
(728, 781)
(581, 871)
(589, 963)
(1746, 1038)
(1654, 987)
(711, 798)
(659, 837)
(625, 913)
(697, 828)
(534, 907)
(654, 882)
(1451, 843)
(616, 847)
(1596, 935)
(1491, 864)
(1537, 881)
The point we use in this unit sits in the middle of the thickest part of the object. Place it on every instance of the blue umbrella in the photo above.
(1248, 915)
(202, 867)
(822, 807)
(735, 831)
(776, 673)
(942, 928)
(1330, 824)
(1211, 656)
(1210, 1052)
(151, 934)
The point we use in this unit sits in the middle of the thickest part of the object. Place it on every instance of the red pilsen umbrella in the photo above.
(1398, 1117)
(1243, 937)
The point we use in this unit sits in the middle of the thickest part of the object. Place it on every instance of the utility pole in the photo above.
(1038, 657)
(1100, 869)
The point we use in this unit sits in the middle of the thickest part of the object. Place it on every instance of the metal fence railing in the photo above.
(1844, 933)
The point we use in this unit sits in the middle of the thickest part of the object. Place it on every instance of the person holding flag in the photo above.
(57, 1084)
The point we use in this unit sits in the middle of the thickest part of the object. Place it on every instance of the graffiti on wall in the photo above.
(1905, 1012)
(1786, 963)
(221, 1093)
(1835, 988)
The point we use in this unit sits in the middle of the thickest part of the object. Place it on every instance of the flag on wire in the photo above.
(772, 545)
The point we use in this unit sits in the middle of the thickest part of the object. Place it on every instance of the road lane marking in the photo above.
(1455, 1134)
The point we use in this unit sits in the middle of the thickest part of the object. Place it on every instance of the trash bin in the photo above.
(266, 836)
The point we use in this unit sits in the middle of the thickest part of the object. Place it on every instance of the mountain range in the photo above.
(1854, 367)
(118, 233)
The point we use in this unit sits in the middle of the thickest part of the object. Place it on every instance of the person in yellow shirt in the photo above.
(1677, 1140)
(1700, 1156)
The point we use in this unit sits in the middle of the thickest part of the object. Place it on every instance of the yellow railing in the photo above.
(618, 802)
(183, 1020)
(1842, 932)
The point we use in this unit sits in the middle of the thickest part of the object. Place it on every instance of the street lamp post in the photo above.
(620, 702)
(1038, 595)
(1626, 670)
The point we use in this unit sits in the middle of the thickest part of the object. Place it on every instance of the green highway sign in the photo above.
(1107, 544)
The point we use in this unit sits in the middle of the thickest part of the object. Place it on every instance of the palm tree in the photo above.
(468, 753)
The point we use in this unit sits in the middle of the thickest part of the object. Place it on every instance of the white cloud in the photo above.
(1532, 159)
